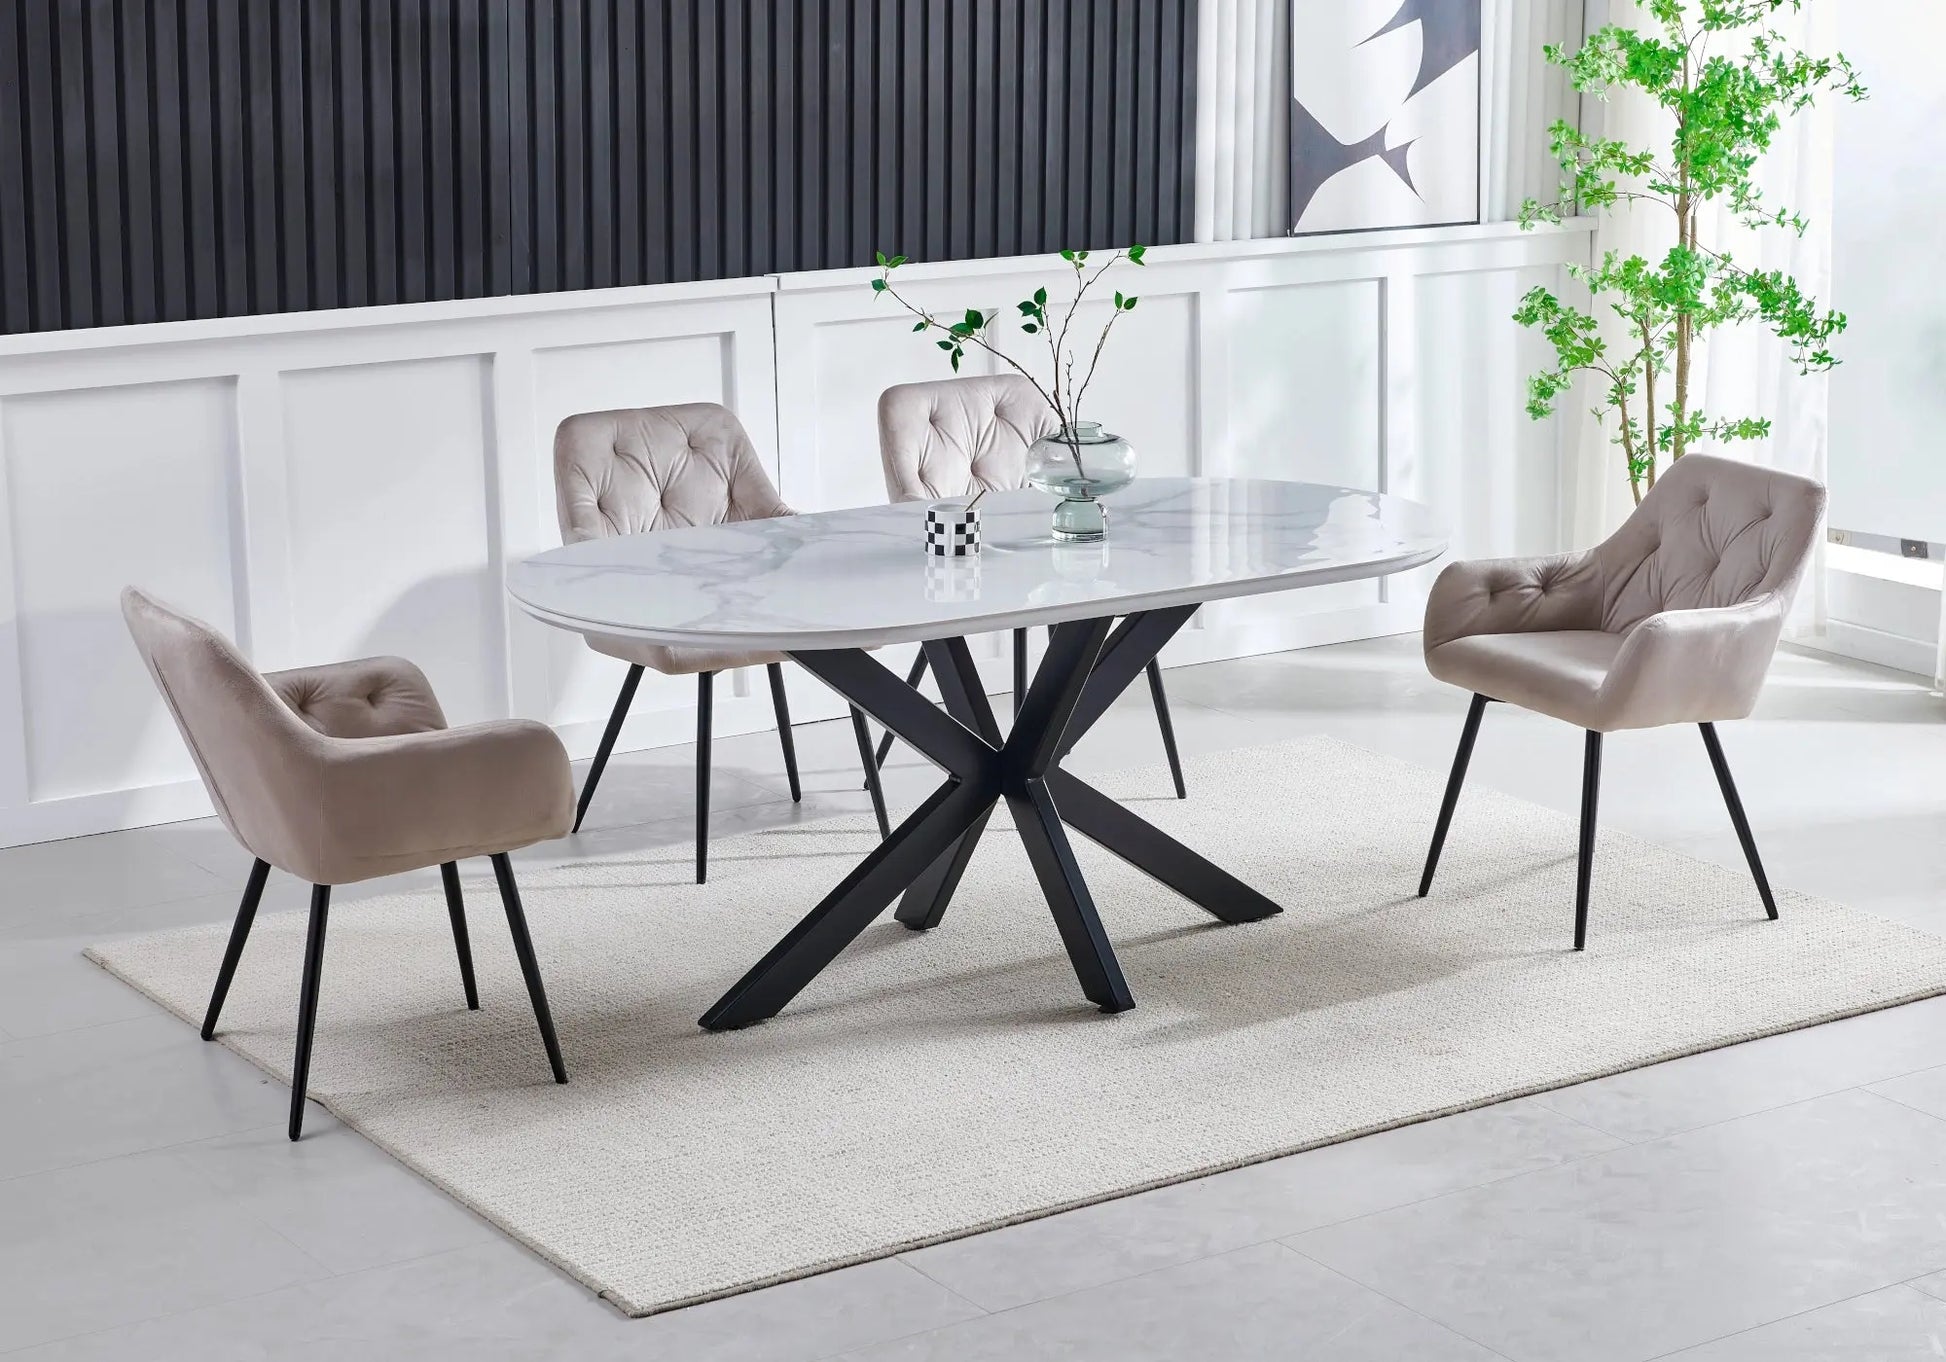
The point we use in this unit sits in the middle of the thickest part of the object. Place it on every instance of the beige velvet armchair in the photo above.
(346, 772)
(658, 468)
(952, 437)
(1672, 620)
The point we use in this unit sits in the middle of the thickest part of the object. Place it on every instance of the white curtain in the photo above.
(1243, 119)
(1525, 95)
(1741, 371)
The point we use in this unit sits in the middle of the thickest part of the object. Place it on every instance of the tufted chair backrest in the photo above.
(1711, 532)
(657, 468)
(956, 436)
(242, 736)
(374, 697)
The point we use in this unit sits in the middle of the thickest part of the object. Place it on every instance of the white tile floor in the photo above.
(1780, 1200)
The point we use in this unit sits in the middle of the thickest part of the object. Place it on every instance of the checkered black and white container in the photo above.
(952, 530)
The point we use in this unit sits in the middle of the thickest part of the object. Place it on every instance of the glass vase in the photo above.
(1080, 463)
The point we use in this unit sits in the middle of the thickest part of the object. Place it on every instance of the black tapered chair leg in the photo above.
(704, 703)
(530, 970)
(456, 910)
(1168, 727)
(246, 913)
(608, 736)
(872, 782)
(1585, 861)
(1737, 818)
(307, 1005)
(1453, 784)
(1020, 668)
(782, 706)
(912, 679)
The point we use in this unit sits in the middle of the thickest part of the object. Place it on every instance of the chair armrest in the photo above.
(1694, 666)
(1513, 596)
(372, 697)
(416, 799)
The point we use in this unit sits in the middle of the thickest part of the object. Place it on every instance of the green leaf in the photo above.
(1068, 256)
(975, 319)
(897, 261)
(1135, 254)
(961, 329)
(1026, 309)
(879, 286)
(1120, 302)
(956, 359)
(945, 345)
(882, 261)
(1727, 77)
(1131, 304)
(1040, 297)
(1030, 328)
(918, 326)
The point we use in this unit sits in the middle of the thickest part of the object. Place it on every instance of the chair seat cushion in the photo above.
(1558, 673)
(677, 661)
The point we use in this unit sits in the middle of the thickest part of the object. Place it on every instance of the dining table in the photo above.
(830, 587)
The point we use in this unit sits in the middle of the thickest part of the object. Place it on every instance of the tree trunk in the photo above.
(1686, 234)
(1685, 339)
(1648, 390)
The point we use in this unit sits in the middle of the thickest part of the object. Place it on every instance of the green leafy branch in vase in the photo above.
(1727, 107)
(1063, 394)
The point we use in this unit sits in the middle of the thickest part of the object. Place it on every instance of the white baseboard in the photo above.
(1844, 639)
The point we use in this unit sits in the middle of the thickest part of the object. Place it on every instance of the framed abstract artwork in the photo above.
(1385, 114)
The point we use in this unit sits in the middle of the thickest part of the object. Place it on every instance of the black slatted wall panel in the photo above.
(169, 159)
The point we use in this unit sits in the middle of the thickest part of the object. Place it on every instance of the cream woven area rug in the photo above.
(931, 1085)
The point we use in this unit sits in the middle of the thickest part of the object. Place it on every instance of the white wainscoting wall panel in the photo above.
(1305, 394)
(96, 480)
(387, 510)
(326, 485)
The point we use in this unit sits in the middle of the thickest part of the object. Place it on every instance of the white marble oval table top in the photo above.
(858, 578)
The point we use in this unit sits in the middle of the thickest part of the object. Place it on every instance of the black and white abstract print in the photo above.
(1385, 112)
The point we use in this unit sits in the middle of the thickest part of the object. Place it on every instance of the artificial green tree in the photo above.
(1726, 78)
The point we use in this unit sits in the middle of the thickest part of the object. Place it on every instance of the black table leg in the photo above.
(912, 679)
(925, 901)
(847, 910)
(1039, 825)
(1113, 828)
(1038, 739)
(1086, 666)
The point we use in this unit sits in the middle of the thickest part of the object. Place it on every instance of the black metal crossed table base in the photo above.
(1085, 668)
